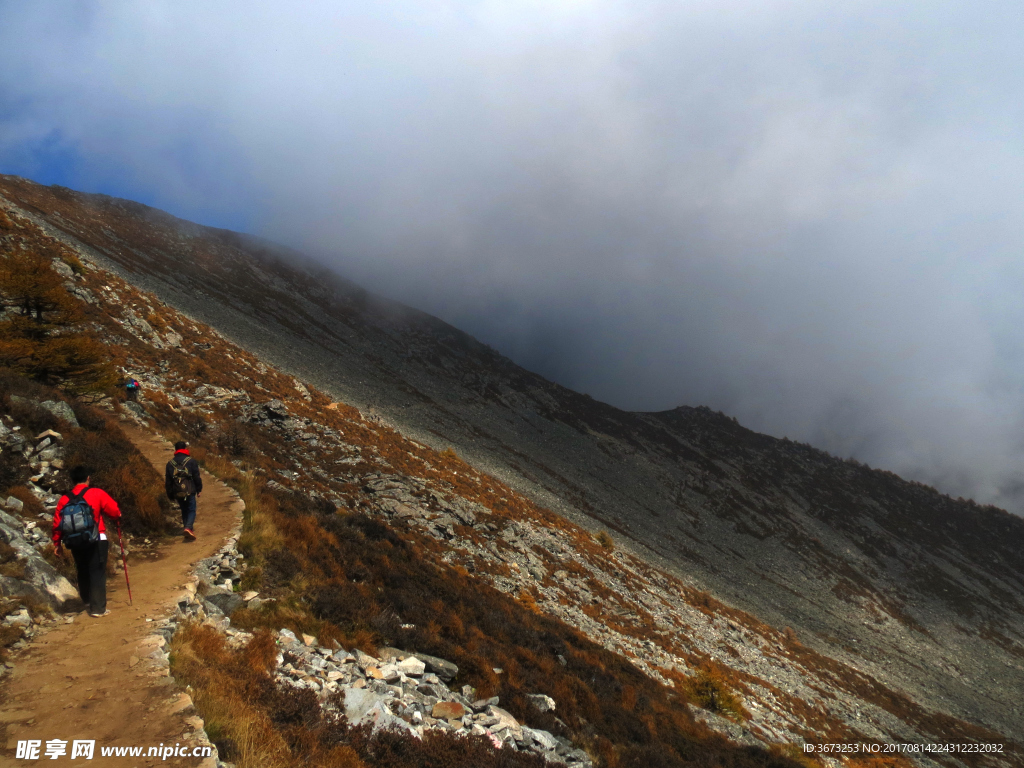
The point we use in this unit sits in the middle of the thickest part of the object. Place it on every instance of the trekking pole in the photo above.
(124, 562)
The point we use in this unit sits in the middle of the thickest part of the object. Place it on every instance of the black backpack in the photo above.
(181, 479)
(78, 524)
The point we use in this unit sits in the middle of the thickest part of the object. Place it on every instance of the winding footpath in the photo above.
(85, 680)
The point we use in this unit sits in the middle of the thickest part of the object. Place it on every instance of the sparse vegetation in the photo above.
(322, 565)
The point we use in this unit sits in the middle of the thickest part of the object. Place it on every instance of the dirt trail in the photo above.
(84, 680)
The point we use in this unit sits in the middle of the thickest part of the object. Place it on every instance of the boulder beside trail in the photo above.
(61, 410)
(225, 600)
(41, 580)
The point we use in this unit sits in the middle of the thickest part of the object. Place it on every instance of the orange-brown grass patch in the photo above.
(10, 564)
(120, 469)
(14, 471)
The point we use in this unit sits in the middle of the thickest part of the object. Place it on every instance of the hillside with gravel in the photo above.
(841, 598)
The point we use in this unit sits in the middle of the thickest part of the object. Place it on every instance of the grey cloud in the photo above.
(806, 216)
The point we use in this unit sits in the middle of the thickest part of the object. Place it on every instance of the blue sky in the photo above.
(807, 215)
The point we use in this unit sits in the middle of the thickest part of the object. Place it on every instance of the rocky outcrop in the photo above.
(35, 577)
(43, 453)
(61, 410)
(40, 580)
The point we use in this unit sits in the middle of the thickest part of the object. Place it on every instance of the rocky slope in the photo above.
(904, 605)
(410, 693)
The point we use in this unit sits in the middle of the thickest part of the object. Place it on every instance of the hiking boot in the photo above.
(189, 536)
(100, 615)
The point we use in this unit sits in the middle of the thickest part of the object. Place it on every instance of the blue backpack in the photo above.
(78, 524)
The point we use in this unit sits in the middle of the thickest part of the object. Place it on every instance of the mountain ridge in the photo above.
(862, 564)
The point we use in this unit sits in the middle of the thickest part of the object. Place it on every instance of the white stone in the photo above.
(543, 738)
(541, 702)
(506, 722)
(390, 673)
(19, 619)
(412, 666)
(287, 636)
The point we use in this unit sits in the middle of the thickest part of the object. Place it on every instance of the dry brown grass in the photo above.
(200, 659)
(10, 564)
(33, 507)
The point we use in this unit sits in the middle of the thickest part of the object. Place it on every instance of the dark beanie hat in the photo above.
(180, 445)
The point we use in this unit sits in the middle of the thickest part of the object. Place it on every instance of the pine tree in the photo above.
(40, 329)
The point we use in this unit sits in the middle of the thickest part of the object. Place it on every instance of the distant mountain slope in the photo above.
(924, 592)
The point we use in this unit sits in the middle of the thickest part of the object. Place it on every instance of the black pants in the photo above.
(91, 562)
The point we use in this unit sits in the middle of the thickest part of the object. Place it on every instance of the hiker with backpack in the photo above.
(132, 389)
(78, 525)
(183, 484)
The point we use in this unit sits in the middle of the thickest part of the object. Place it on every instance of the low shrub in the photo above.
(708, 689)
(236, 439)
(32, 418)
(65, 565)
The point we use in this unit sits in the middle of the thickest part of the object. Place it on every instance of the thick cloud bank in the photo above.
(807, 215)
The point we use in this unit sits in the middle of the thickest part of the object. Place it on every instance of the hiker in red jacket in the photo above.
(89, 548)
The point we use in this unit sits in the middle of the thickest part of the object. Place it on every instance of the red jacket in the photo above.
(98, 499)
